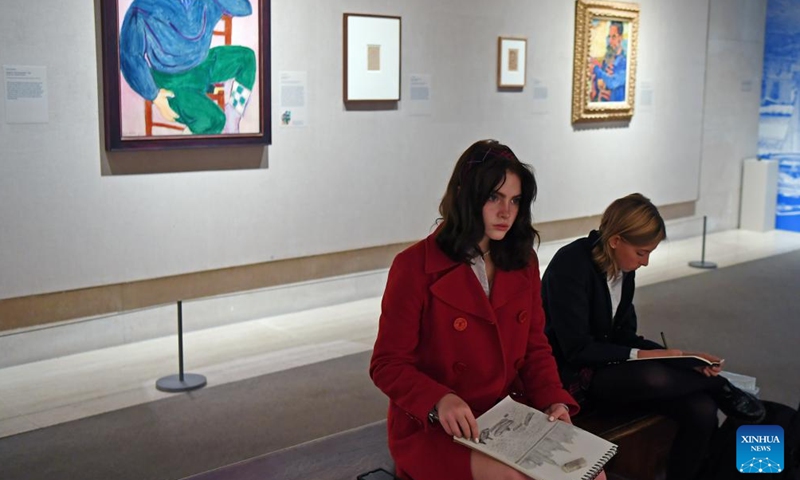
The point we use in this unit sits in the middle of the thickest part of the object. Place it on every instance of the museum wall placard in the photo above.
(348, 177)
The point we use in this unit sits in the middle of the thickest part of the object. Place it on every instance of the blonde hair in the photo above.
(636, 220)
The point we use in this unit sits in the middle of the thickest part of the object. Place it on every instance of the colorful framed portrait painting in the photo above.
(511, 59)
(371, 58)
(186, 73)
(604, 68)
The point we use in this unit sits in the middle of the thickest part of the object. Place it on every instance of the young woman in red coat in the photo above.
(462, 325)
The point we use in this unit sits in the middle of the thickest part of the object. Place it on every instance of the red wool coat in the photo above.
(439, 333)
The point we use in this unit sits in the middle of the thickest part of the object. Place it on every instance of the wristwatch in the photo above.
(433, 415)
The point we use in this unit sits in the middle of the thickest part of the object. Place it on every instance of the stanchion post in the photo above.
(181, 382)
(702, 263)
(180, 334)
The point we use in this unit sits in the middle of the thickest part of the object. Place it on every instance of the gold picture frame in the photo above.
(604, 62)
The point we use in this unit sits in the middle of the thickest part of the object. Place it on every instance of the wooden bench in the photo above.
(643, 442)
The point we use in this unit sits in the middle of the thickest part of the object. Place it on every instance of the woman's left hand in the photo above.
(711, 371)
(558, 411)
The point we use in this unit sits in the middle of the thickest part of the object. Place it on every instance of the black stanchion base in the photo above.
(703, 264)
(173, 383)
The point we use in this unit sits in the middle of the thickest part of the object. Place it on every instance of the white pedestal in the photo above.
(759, 195)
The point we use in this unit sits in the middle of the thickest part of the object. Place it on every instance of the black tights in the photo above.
(684, 395)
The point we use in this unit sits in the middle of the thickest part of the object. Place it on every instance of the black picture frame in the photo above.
(116, 140)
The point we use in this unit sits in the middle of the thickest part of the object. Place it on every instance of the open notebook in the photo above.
(525, 439)
(684, 361)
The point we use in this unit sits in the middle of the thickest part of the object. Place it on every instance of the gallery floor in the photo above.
(54, 391)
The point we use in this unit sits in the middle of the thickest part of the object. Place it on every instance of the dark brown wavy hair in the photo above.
(480, 171)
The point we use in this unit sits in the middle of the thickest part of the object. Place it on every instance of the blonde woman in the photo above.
(587, 293)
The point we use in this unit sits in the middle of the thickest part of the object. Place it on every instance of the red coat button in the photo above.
(459, 367)
(523, 316)
(460, 324)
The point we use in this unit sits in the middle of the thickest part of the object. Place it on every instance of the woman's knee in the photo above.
(487, 468)
(638, 380)
(658, 378)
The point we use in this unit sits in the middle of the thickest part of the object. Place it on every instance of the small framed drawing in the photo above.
(604, 64)
(371, 58)
(511, 61)
(185, 74)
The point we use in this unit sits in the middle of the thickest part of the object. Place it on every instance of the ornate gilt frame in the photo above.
(583, 109)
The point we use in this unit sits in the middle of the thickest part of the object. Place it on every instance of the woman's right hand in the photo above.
(456, 417)
(714, 369)
(670, 352)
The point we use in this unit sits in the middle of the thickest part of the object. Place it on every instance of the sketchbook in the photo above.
(686, 361)
(525, 439)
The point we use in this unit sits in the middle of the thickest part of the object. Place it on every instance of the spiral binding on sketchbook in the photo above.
(595, 470)
(528, 440)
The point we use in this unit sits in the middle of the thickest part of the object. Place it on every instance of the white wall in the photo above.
(733, 96)
(350, 179)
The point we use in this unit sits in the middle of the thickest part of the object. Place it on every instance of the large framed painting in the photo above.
(604, 68)
(371, 58)
(186, 73)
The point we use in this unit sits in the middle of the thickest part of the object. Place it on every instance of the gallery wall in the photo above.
(733, 92)
(352, 178)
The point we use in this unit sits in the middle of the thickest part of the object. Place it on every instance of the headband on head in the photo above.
(505, 153)
(495, 152)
